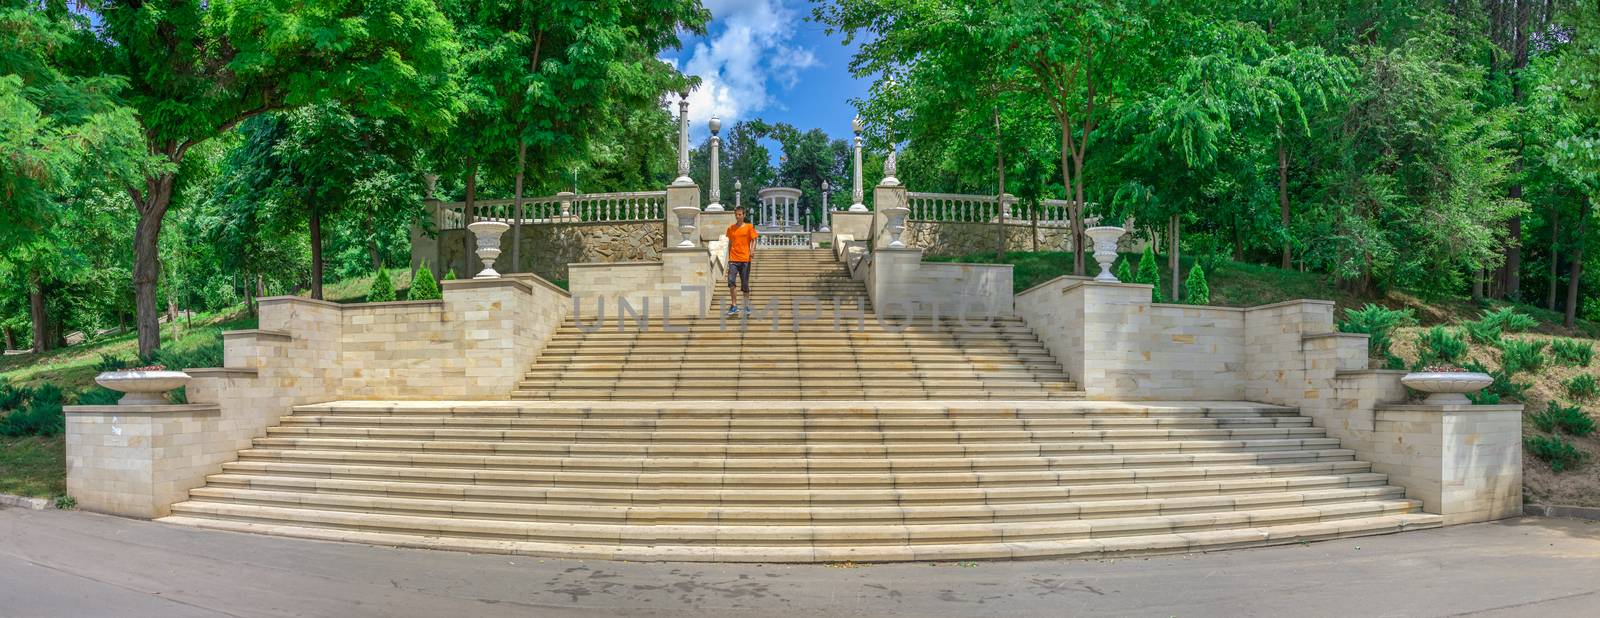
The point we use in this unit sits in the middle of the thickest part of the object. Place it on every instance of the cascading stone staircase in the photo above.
(934, 443)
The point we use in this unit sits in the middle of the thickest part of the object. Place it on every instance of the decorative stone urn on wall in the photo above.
(686, 219)
(896, 224)
(1105, 249)
(142, 387)
(1447, 387)
(488, 233)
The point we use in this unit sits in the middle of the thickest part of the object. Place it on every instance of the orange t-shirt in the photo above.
(740, 239)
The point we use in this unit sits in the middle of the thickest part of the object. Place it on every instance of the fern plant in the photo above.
(1378, 323)
(1571, 352)
(1582, 387)
(1554, 450)
(1521, 356)
(1439, 346)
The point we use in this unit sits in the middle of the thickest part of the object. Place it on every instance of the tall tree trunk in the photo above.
(373, 254)
(316, 251)
(516, 225)
(467, 212)
(172, 316)
(152, 205)
(1477, 286)
(1555, 255)
(11, 338)
(1000, 199)
(1512, 284)
(1283, 203)
(1576, 270)
(41, 335)
(1174, 231)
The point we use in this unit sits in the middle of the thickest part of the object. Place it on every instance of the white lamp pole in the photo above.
(738, 193)
(855, 194)
(716, 176)
(683, 141)
(826, 212)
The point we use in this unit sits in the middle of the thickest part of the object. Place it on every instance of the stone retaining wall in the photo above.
(547, 249)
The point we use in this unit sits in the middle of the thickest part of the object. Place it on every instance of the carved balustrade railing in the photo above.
(634, 206)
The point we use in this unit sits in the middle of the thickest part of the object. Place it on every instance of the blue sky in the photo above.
(766, 59)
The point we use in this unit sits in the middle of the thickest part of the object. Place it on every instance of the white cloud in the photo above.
(748, 56)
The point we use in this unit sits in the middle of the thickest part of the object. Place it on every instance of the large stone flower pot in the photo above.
(1447, 387)
(488, 247)
(1105, 249)
(895, 224)
(142, 387)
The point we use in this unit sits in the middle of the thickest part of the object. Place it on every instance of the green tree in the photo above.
(382, 287)
(423, 286)
(1196, 290)
(196, 69)
(1150, 274)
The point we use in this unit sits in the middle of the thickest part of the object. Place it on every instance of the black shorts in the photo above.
(739, 271)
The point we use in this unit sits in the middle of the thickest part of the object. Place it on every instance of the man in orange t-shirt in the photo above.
(741, 245)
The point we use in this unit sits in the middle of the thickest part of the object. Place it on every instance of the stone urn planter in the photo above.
(1105, 249)
(145, 386)
(686, 219)
(1447, 387)
(488, 233)
(895, 224)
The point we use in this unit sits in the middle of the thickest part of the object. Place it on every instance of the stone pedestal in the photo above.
(714, 224)
(856, 225)
(885, 197)
(137, 460)
(1463, 462)
(679, 196)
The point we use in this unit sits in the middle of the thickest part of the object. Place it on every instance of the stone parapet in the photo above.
(1462, 462)
(898, 282)
(136, 461)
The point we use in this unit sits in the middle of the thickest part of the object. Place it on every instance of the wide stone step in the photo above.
(1087, 481)
(871, 433)
(1140, 545)
(1023, 372)
(774, 395)
(877, 410)
(758, 383)
(798, 535)
(502, 423)
(500, 510)
(1223, 483)
(700, 466)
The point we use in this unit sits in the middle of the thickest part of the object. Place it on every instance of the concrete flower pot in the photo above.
(142, 387)
(687, 216)
(488, 247)
(895, 224)
(1105, 249)
(1447, 387)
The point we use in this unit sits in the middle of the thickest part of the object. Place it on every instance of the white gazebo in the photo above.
(778, 218)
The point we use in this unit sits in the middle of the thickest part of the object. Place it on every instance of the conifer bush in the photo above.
(1582, 387)
(1570, 420)
(1196, 290)
(1571, 352)
(382, 288)
(1378, 323)
(1122, 273)
(423, 286)
(1150, 274)
(1439, 346)
(1554, 450)
(1521, 356)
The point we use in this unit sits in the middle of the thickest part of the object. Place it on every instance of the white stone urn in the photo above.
(142, 387)
(1105, 249)
(686, 220)
(896, 224)
(1447, 387)
(488, 233)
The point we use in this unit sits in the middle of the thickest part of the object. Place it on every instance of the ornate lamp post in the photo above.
(738, 193)
(683, 141)
(716, 176)
(855, 193)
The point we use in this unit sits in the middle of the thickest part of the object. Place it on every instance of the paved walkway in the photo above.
(55, 563)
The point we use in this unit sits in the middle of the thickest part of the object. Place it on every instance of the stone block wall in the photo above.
(547, 249)
(898, 281)
(136, 461)
(1462, 462)
(681, 283)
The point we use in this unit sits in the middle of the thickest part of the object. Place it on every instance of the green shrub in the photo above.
(1571, 352)
(1489, 328)
(41, 417)
(1554, 450)
(1521, 356)
(1570, 420)
(423, 286)
(13, 397)
(66, 503)
(1196, 290)
(109, 362)
(99, 396)
(1439, 346)
(1379, 324)
(203, 353)
(1150, 274)
(1122, 272)
(449, 275)
(1503, 386)
(382, 288)
(1582, 387)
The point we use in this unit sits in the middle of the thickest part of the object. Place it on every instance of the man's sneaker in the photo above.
(733, 310)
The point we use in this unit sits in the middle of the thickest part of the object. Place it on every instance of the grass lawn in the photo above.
(33, 466)
(73, 368)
